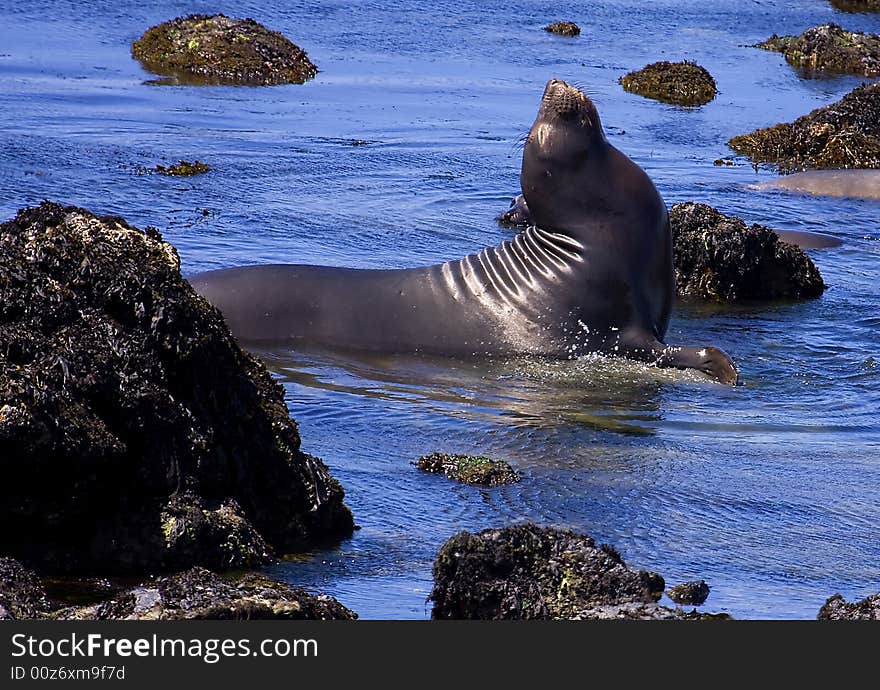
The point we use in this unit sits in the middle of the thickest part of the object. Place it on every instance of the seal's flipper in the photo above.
(518, 213)
(709, 360)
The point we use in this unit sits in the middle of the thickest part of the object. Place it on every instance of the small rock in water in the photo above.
(183, 169)
(679, 83)
(563, 28)
(216, 49)
(692, 593)
(469, 469)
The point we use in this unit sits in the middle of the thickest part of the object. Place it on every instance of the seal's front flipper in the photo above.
(518, 213)
(709, 360)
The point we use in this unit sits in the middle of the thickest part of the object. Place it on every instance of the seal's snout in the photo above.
(562, 99)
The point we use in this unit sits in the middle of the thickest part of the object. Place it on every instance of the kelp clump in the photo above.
(216, 49)
(679, 83)
(718, 257)
(563, 28)
(135, 434)
(829, 48)
(469, 469)
(845, 134)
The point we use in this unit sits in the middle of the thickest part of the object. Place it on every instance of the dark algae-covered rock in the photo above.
(692, 593)
(837, 609)
(719, 257)
(563, 28)
(469, 469)
(135, 433)
(531, 572)
(856, 5)
(216, 49)
(679, 83)
(22, 596)
(198, 594)
(829, 48)
(183, 169)
(845, 134)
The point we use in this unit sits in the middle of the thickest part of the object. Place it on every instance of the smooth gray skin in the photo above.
(518, 214)
(596, 276)
(854, 184)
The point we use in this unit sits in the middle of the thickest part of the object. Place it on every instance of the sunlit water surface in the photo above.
(400, 153)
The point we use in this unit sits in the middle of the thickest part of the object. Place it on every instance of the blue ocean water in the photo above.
(400, 153)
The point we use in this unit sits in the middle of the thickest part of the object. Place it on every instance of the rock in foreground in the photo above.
(679, 83)
(719, 257)
(135, 434)
(216, 49)
(845, 134)
(837, 609)
(829, 48)
(469, 469)
(21, 593)
(199, 594)
(530, 572)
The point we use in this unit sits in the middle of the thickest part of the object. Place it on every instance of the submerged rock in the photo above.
(199, 594)
(469, 469)
(719, 257)
(530, 572)
(22, 596)
(135, 434)
(856, 5)
(216, 49)
(693, 593)
(829, 48)
(837, 609)
(845, 134)
(679, 83)
(563, 28)
(183, 169)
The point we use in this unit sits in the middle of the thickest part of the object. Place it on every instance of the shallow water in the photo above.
(400, 153)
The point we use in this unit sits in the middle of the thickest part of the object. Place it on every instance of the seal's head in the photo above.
(565, 158)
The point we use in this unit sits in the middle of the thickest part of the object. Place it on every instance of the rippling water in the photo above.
(400, 153)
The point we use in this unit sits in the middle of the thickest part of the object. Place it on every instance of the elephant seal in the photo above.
(854, 184)
(594, 275)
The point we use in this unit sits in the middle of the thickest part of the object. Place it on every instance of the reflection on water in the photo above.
(401, 152)
(597, 392)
